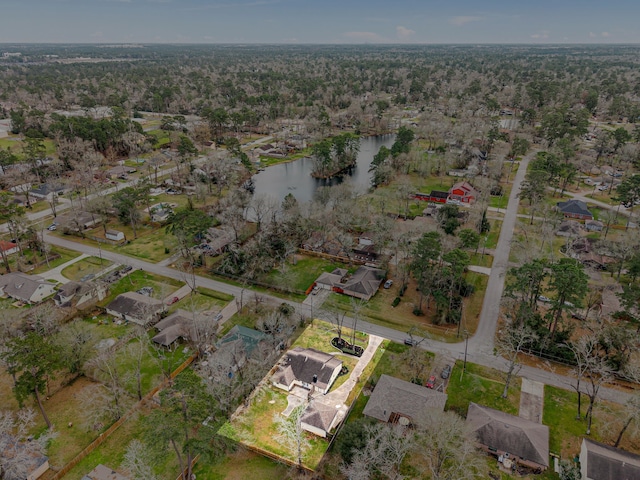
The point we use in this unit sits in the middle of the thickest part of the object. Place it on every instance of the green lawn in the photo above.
(240, 465)
(162, 286)
(202, 300)
(86, 266)
(65, 256)
(300, 277)
(483, 386)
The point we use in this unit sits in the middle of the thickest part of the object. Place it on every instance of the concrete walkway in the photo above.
(531, 400)
(339, 395)
(56, 273)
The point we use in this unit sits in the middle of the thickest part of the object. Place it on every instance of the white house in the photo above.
(26, 288)
(307, 368)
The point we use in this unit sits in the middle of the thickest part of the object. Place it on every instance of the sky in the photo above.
(320, 21)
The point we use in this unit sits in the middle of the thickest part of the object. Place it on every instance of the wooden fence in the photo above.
(105, 435)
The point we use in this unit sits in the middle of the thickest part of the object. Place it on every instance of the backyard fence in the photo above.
(105, 435)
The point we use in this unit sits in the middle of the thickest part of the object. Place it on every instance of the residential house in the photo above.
(121, 171)
(104, 473)
(604, 462)
(219, 238)
(397, 401)
(363, 283)
(114, 235)
(514, 440)
(178, 325)
(593, 225)
(25, 288)
(8, 248)
(80, 294)
(78, 221)
(328, 280)
(575, 209)
(160, 212)
(46, 190)
(137, 308)
(462, 192)
(307, 368)
(319, 418)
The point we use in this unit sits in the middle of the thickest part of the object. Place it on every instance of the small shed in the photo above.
(115, 235)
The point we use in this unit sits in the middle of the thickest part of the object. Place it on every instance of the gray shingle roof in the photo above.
(319, 415)
(136, 305)
(576, 207)
(393, 395)
(20, 285)
(303, 363)
(507, 433)
(608, 463)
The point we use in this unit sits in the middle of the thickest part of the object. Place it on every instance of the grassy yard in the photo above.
(300, 277)
(481, 385)
(86, 266)
(152, 244)
(162, 286)
(379, 310)
(65, 256)
(241, 465)
(256, 427)
(566, 432)
(202, 300)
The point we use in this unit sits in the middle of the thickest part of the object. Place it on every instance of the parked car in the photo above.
(388, 284)
(148, 291)
(126, 268)
(446, 371)
(431, 383)
(544, 299)
(52, 227)
(218, 317)
(172, 300)
(411, 342)
(315, 290)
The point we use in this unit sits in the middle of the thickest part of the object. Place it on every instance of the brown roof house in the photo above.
(603, 462)
(178, 325)
(307, 368)
(363, 283)
(397, 401)
(102, 472)
(319, 418)
(137, 308)
(26, 288)
(80, 294)
(514, 440)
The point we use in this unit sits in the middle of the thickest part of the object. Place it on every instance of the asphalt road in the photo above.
(478, 349)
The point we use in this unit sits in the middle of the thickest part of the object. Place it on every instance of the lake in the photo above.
(295, 177)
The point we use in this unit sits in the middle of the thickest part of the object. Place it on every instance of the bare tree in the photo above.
(104, 368)
(137, 461)
(445, 443)
(18, 447)
(291, 434)
(510, 345)
(385, 448)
